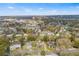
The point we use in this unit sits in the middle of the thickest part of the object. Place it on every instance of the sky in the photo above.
(39, 9)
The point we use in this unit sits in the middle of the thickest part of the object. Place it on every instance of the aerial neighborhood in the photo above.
(39, 35)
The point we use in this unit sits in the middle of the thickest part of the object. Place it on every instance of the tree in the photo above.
(43, 53)
(45, 38)
(76, 43)
(64, 43)
(72, 36)
(22, 41)
(4, 46)
(31, 37)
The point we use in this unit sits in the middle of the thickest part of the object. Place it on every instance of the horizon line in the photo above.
(38, 15)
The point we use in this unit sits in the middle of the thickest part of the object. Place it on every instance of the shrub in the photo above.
(43, 53)
(76, 43)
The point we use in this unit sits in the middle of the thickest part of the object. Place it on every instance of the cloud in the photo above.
(10, 7)
(62, 12)
(41, 8)
(77, 6)
(52, 11)
(27, 10)
(74, 7)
